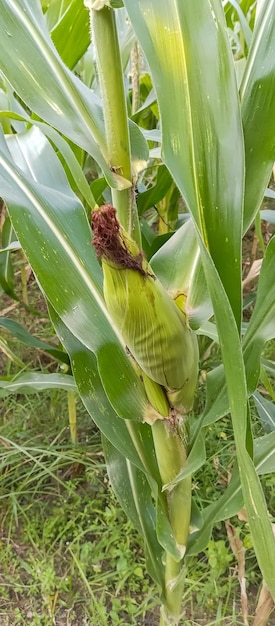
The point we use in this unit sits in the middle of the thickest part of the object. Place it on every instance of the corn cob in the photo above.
(151, 324)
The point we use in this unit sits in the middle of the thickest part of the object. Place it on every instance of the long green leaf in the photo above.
(264, 454)
(260, 329)
(63, 147)
(261, 530)
(217, 403)
(231, 502)
(261, 326)
(132, 439)
(201, 126)
(70, 16)
(243, 21)
(258, 104)
(6, 265)
(4, 347)
(178, 265)
(23, 335)
(32, 382)
(134, 494)
(41, 78)
(52, 227)
(154, 194)
(266, 412)
(47, 86)
(195, 460)
(202, 147)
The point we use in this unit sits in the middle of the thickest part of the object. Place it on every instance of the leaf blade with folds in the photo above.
(256, 507)
(47, 86)
(259, 330)
(63, 147)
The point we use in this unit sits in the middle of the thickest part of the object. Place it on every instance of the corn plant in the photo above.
(131, 328)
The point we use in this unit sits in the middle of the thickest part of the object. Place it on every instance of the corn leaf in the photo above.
(178, 266)
(73, 17)
(200, 117)
(131, 439)
(42, 80)
(27, 338)
(203, 149)
(264, 454)
(52, 227)
(6, 265)
(217, 403)
(51, 90)
(154, 194)
(258, 104)
(243, 21)
(261, 326)
(266, 412)
(259, 330)
(195, 460)
(231, 502)
(33, 382)
(134, 494)
(72, 165)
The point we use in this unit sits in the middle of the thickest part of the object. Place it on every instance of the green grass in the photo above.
(68, 554)
(66, 547)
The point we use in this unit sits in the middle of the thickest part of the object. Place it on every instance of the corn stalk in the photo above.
(211, 145)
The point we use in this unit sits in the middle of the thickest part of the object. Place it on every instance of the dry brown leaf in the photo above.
(238, 550)
(8, 309)
(242, 516)
(3, 211)
(253, 272)
(264, 607)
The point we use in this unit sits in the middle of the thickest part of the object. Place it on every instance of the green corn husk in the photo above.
(151, 324)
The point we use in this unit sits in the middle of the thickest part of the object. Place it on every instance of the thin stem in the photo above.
(173, 570)
(105, 39)
(171, 455)
(72, 416)
(24, 279)
(135, 55)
